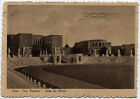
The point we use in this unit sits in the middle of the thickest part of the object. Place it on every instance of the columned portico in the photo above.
(77, 58)
(24, 52)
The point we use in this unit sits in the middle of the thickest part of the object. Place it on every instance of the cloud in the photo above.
(14, 13)
(96, 15)
(40, 19)
(80, 22)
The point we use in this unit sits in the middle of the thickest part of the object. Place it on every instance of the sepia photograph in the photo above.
(71, 46)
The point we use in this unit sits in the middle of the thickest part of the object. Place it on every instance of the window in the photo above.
(35, 41)
(57, 58)
(38, 41)
(100, 44)
(72, 60)
(26, 41)
(79, 58)
(93, 44)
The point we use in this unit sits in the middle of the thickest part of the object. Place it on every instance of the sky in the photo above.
(75, 22)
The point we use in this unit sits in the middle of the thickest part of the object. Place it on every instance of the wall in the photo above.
(107, 60)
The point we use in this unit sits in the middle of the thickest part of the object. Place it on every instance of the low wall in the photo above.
(106, 60)
(26, 61)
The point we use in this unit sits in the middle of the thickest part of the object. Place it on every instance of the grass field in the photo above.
(118, 76)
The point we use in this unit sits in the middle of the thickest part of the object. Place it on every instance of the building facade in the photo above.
(51, 42)
(128, 49)
(125, 50)
(91, 47)
(115, 49)
(20, 45)
(36, 45)
(27, 45)
(32, 45)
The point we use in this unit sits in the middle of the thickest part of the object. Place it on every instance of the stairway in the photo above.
(23, 61)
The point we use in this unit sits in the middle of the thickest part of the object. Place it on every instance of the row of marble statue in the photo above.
(45, 53)
(108, 53)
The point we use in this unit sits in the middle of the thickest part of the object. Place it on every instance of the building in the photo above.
(91, 47)
(50, 42)
(37, 45)
(66, 50)
(128, 49)
(125, 50)
(20, 44)
(115, 49)
(10, 38)
(23, 44)
(27, 45)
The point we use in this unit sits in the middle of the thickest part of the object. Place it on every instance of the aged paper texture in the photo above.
(69, 49)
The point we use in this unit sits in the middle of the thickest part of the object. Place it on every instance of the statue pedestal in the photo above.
(8, 56)
(14, 56)
(19, 55)
(119, 55)
(30, 55)
(45, 59)
(95, 55)
(107, 55)
(112, 54)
